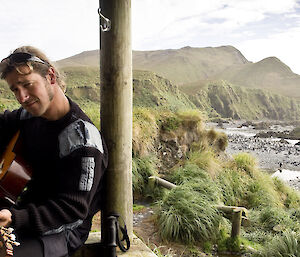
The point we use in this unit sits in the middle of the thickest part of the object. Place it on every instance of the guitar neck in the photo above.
(7, 242)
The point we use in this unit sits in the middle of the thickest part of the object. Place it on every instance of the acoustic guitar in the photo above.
(14, 172)
(14, 175)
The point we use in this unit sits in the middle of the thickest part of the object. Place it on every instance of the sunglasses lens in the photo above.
(21, 62)
(18, 58)
(24, 68)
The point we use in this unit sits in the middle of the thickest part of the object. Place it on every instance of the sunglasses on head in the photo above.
(21, 62)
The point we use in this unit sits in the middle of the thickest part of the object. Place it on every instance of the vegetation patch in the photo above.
(181, 206)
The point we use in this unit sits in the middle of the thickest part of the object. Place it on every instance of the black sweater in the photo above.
(68, 158)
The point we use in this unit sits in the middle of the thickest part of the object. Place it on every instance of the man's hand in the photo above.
(5, 218)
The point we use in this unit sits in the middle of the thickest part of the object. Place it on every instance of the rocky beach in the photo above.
(279, 156)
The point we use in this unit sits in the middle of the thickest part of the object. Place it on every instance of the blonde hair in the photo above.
(40, 68)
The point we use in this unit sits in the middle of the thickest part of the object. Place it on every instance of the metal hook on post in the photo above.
(106, 25)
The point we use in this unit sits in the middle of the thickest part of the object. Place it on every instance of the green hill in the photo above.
(270, 74)
(188, 64)
(151, 90)
(218, 99)
(235, 102)
(180, 66)
(202, 66)
(86, 58)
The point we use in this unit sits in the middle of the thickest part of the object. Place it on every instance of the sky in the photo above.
(62, 28)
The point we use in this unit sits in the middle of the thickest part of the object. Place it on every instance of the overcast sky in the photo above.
(62, 28)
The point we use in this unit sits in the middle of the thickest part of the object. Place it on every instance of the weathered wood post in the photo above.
(116, 108)
(236, 223)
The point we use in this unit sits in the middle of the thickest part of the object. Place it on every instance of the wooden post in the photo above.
(236, 223)
(236, 215)
(116, 108)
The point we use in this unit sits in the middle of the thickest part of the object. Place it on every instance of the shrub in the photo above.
(245, 161)
(233, 185)
(187, 216)
(142, 169)
(145, 131)
(205, 160)
(192, 119)
(261, 192)
(287, 244)
(221, 142)
(171, 123)
(289, 196)
(189, 172)
(275, 219)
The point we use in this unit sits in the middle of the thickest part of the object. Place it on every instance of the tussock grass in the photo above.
(233, 185)
(275, 219)
(187, 215)
(170, 122)
(190, 172)
(221, 142)
(145, 131)
(285, 245)
(218, 140)
(289, 197)
(198, 180)
(192, 119)
(142, 169)
(206, 160)
(262, 192)
(246, 162)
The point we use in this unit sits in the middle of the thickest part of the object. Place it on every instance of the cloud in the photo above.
(68, 27)
(155, 21)
(283, 45)
(60, 28)
(257, 28)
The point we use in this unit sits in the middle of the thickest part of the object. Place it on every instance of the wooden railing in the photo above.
(235, 213)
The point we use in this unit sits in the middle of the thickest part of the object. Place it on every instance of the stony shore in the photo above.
(273, 154)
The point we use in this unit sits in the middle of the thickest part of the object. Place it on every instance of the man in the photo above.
(66, 152)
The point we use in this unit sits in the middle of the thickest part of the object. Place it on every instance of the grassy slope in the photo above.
(178, 65)
(206, 178)
(217, 99)
(151, 90)
(7, 99)
(242, 103)
(188, 65)
(270, 74)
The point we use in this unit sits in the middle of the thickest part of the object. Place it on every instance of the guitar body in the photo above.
(14, 172)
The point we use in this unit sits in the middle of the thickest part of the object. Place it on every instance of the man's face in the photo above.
(32, 91)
